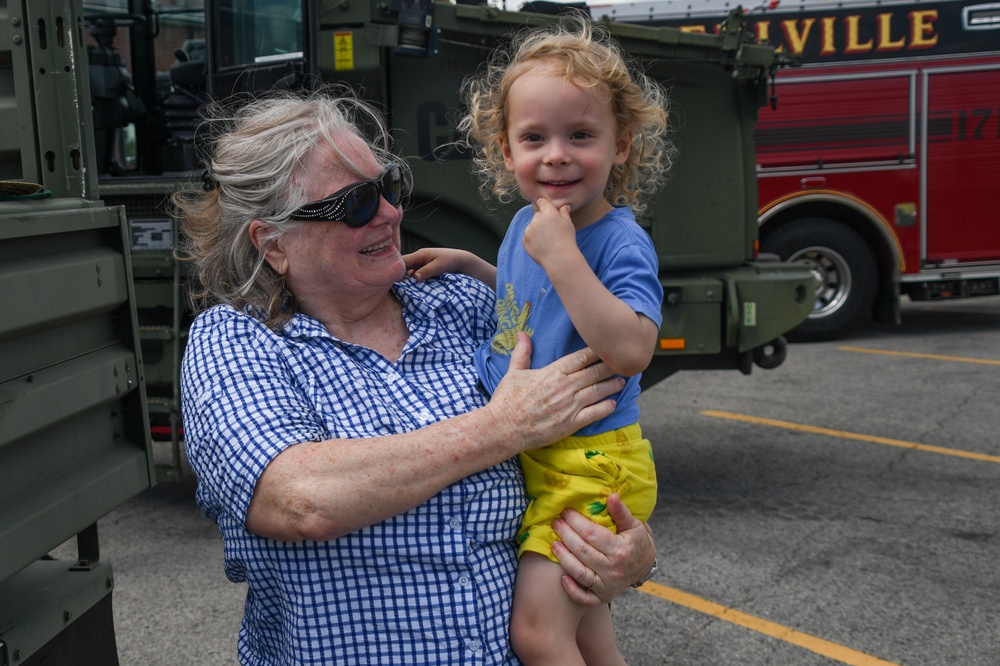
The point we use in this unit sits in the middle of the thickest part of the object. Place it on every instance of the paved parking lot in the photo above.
(842, 508)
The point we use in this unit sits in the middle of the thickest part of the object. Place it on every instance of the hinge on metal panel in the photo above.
(773, 97)
(781, 59)
(88, 549)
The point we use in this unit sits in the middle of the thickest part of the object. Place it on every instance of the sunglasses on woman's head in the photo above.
(356, 205)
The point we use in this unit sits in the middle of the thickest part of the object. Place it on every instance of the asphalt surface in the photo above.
(805, 516)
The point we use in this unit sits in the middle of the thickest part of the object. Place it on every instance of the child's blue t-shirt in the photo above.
(620, 253)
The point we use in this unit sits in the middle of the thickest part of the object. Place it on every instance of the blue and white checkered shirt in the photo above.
(430, 586)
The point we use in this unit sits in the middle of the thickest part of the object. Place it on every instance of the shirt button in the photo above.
(463, 581)
(455, 523)
(474, 646)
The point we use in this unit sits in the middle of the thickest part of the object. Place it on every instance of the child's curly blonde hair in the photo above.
(589, 57)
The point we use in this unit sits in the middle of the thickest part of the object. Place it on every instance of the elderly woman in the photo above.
(366, 491)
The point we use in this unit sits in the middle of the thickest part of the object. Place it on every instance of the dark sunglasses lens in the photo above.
(392, 186)
(361, 205)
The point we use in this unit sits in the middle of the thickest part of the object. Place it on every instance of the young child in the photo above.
(562, 120)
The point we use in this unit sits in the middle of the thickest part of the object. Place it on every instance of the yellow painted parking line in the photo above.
(958, 453)
(808, 641)
(934, 357)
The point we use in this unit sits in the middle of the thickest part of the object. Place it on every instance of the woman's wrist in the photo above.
(495, 431)
(642, 581)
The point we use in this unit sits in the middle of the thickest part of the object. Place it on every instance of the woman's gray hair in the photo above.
(254, 171)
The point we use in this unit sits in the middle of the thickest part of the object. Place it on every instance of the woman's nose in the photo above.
(387, 212)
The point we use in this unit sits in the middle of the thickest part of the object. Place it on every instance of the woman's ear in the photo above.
(274, 253)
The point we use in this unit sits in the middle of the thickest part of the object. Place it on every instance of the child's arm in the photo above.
(624, 339)
(430, 262)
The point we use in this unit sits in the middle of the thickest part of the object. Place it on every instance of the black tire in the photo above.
(844, 267)
(771, 355)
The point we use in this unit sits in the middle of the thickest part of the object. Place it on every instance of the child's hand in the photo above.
(429, 262)
(550, 233)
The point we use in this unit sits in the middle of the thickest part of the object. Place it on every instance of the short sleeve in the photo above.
(241, 408)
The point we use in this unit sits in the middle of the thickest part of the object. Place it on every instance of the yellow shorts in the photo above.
(579, 473)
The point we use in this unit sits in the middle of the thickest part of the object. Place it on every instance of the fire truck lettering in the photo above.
(978, 120)
(829, 46)
(922, 35)
(796, 39)
(763, 30)
(885, 41)
(796, 34)
(851, 27)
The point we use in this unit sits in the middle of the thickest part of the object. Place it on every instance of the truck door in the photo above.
(257, 45)
(961, 162)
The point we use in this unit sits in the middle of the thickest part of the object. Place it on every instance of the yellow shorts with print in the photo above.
(579, 473)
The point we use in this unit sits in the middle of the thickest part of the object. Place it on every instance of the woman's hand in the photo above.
(544, 405)
(600, 564)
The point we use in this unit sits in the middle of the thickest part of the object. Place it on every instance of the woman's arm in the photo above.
(323, 490)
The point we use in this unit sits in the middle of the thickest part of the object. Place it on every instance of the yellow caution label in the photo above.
(343, 51)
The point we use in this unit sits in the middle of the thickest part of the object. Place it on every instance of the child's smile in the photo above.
(561, 143)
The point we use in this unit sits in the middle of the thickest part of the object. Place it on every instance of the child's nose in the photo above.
(556, 152)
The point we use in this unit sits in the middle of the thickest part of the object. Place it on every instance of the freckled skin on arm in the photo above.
(324, 490)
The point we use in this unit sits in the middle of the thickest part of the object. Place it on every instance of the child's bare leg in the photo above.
(595, 637)
(544, 620)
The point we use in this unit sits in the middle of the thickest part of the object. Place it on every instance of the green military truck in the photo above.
(74, 433)
(98, 107)
(153, 65)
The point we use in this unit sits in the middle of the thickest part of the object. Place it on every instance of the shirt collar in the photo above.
(420, 303)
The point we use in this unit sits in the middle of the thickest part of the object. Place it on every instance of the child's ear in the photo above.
(624, 146)
(508, 161)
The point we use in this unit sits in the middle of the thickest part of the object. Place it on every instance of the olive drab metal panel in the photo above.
(74, 430)
(73, 434)
(45, 44)
(703, 221)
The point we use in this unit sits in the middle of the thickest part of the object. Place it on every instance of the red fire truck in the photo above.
(879, 161)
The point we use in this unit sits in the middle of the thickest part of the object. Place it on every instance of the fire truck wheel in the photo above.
(844, 268)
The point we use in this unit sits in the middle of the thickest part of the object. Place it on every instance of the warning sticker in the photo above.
(343, 51)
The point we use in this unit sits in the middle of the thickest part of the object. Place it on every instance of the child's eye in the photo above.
(580, 135)
(531, 138)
